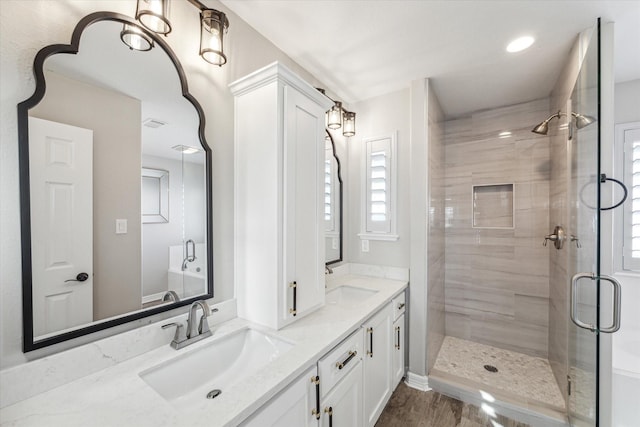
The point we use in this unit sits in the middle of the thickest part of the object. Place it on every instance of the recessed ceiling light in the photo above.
(505, 134)
(520, 43)
(186, 149)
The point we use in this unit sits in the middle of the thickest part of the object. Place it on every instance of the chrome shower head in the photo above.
(581, 122)
(543, 127)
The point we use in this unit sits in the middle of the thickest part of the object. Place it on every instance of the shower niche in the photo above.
(493, 206)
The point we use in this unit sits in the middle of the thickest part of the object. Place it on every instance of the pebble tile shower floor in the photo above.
(518, 374)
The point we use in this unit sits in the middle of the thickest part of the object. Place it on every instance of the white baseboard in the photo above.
(419, 382)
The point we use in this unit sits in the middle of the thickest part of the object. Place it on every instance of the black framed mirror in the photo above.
(111, 136)
(333, 198)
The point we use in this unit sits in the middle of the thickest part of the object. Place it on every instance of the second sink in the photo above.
(348, 295)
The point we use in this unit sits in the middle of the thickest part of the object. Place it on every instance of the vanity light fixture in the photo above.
(135, 38)
(213, 25)
(349, 123)
(154, 16)
(338, 117)
(334, 116)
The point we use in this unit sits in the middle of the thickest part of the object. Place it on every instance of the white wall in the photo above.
(26, 27)
(379, 116)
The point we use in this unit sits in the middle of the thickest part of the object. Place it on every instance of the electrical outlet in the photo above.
(365, 246)
(334, 243)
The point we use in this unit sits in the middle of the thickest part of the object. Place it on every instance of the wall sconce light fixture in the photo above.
(154, 16)
(213, 25)
(135, 38)
(349, 123)
(334, 116)
(338, 117)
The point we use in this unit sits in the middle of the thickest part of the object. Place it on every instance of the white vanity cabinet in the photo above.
(354, 380)
(279, 226)
(378, 346)
(341, 385)
(292, 407)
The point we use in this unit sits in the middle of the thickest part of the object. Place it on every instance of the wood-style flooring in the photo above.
(414, 408)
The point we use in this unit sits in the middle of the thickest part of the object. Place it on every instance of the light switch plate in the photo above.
(121, 226)
(365, 246)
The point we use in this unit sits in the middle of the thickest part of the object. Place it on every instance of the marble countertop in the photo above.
(118, 396)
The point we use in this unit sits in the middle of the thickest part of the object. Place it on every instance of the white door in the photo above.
(61, 163)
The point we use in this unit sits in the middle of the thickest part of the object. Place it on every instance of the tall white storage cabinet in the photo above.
(279, 227)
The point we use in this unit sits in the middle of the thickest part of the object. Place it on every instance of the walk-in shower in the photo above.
(505, 339)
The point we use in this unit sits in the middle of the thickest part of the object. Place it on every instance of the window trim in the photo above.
(392, 180)
(621, 248)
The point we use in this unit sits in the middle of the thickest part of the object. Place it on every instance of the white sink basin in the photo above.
(348, 295)
(218, 365)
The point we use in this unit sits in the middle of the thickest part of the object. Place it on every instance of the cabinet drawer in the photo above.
(339, 361)
(398, 304)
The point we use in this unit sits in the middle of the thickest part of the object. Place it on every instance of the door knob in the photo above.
(81, 277)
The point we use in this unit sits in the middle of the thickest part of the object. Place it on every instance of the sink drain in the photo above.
(213, 394)
(490, 368)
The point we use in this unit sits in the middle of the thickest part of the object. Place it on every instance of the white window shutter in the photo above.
(631, 256)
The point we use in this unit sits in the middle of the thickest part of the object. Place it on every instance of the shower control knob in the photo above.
(557, 237)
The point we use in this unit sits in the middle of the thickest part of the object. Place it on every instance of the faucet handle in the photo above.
(179, 326)
(203, 327)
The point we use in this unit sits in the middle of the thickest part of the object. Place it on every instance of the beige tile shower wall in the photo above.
(497, 280)
(435, 230)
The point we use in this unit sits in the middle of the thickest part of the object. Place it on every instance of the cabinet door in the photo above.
(303, 203)
(342, 407)
(398, 351)
(377, 364)
(291, 407)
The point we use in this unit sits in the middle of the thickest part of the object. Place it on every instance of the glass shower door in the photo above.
(584, 239)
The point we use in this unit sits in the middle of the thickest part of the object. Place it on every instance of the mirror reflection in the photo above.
(118, 181)
(332, 202)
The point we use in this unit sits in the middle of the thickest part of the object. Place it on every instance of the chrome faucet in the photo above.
(196, 331)
(202, 328)
(189, 258)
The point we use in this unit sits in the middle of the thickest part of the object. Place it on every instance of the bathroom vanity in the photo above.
(123, 395)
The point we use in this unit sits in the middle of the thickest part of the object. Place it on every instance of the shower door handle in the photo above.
(617, 295)
(616, 302)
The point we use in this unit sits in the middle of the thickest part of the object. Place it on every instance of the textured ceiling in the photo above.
(362, 49)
